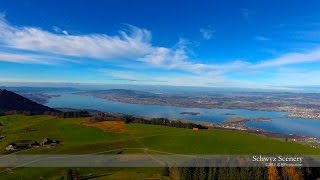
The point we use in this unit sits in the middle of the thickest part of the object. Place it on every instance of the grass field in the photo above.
(79, 136)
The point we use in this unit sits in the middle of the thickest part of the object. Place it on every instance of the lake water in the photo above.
(279, 123)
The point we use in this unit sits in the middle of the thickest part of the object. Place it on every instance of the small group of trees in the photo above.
(241, 173)
(218, 173)
(74, 114)
(104, 117)
(72, 175)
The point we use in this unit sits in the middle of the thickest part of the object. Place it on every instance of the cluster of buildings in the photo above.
(26, 144)
(235, 126)
(300, 112)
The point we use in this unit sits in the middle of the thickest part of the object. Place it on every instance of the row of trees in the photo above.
(155, 121)
(5, 113)
(243, 173)
(62, 114)
(163, 122)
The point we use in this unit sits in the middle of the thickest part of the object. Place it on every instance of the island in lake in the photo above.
(190, 113)
(229, 114)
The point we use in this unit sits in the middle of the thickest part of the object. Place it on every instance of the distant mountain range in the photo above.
(10, 101)
(26, 89)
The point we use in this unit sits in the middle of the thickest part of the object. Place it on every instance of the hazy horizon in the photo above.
(170, 88)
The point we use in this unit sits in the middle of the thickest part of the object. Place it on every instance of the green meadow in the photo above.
(79, 139)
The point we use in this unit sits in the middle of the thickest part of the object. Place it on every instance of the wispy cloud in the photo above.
(291, 58)
(261, 38)
(207, 32)
(131, 76)
(245, 13)
(29, 58)
(59, 30)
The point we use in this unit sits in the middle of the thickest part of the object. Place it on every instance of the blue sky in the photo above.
(251, 44)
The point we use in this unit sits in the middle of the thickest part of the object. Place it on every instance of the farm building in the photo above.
(11, 147)
(33, 144)
(49, 142)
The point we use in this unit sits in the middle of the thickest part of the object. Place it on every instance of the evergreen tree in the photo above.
(165, 171)
(222, 173)
(196, 173)
(202, 173)
(186, 173)
(260, 173)
(76, 175)
(69, 174)
(212, 173)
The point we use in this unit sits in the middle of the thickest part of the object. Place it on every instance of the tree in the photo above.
(260, 173)
(186, 173)
(202, 173)
(174, 173)
(165, 171)
(212, 173)
(195, 173)
(273, 173)
(291, 173)
(69, 174)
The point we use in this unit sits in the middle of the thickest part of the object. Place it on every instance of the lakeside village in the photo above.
(238, 124)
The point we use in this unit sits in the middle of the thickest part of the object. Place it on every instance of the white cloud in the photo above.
(291, 58)
(56, 29)
(133, 44)
(59, 30)
(207, 33)
(65, 32)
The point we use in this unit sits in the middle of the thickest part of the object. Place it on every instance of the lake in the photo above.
(280, 123)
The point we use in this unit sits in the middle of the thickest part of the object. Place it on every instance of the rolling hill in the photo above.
(10, 101)
(80, 136)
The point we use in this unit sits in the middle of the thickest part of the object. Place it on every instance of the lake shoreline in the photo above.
(280, 123)
(288, 114)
